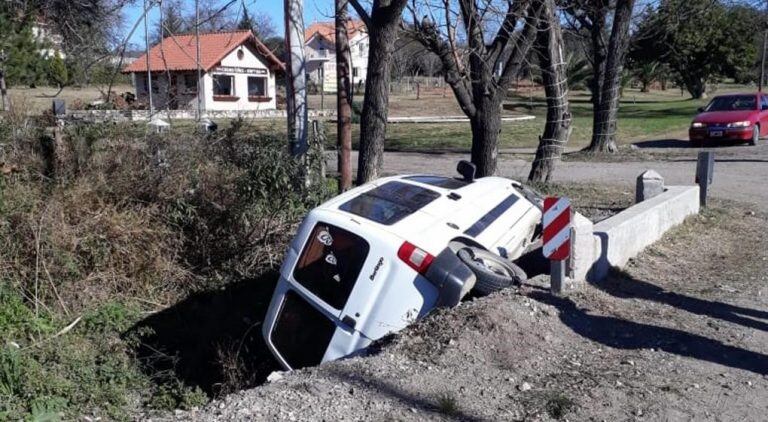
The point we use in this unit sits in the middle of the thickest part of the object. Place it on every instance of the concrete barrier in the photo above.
(627, 233)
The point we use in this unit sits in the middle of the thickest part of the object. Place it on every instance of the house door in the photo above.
(173, 93)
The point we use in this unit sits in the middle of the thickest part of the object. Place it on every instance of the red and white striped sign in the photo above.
(557, 228)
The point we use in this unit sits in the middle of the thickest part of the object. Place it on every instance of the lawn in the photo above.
(642, 116)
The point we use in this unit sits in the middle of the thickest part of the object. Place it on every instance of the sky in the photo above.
(314, 10)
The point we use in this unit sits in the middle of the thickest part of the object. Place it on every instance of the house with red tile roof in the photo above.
(238, 73)
(320, 53)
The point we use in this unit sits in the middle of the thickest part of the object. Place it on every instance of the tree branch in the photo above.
(364, 16)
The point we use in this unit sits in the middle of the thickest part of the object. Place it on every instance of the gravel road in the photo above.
(741, 172)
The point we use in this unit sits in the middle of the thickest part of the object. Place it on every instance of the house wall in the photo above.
(249, 60)
(321, 53)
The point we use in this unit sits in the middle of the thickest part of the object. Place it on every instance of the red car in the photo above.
(733, 117)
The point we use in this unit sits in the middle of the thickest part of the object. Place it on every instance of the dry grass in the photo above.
(35, 101)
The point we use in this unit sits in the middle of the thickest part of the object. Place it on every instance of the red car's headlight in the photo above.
(698, 125)
(745, 123)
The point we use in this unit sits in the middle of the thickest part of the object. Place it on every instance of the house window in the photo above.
(223, 85)
(355, 72)
(257, 86)
(190, 83)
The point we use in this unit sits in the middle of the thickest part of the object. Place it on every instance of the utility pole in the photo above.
(344, 98)
(146, 50)
(296, 98)
(765, 44)
(197, 60)
(3, 91)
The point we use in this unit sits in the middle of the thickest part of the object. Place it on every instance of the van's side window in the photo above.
(330, 263)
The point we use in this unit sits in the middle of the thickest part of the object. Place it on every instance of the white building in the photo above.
(320, 52)
(49, 40)
(238, 73)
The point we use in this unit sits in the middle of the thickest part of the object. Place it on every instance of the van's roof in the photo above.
(476, 201)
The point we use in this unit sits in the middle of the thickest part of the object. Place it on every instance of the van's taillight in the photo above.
(416, 258)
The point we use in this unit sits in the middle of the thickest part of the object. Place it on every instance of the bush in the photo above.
(106, 222)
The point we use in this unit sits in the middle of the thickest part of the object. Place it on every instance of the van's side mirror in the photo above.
(467, 170)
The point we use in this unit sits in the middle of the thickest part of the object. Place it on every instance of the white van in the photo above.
(374, 259)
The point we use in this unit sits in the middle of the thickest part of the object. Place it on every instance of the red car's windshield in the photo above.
(733, 103)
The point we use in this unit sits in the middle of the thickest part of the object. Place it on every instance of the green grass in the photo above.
(642, 116)
(646, 118)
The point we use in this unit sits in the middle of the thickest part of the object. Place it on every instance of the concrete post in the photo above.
(705, 168)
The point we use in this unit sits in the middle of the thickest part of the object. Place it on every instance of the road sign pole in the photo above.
(557, 276)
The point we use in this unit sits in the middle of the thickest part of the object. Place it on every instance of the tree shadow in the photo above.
(622, 334)
(211, 340)
(384, 387)
(664, 143)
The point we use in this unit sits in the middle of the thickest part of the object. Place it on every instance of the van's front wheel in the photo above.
(493, 272)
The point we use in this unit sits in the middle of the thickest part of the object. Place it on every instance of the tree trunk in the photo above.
(344, 98)
(6, 102)
(696, 87)
(597, 32)
(557, 129)
(486, 126)
(373, 121)
(604, 131)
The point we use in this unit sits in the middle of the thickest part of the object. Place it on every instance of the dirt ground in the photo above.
(680, 334)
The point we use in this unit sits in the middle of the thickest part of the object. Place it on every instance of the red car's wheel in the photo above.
(755, 135)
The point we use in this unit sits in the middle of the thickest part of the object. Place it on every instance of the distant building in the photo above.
(238, 73)
(48, 38)
(320, 52)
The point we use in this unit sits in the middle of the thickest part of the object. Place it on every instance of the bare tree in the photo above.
(382, 23)
(492, 67)
(344, 97)
(607, 59)
(553, 64)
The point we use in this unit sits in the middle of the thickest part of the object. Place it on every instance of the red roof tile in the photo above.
(179, 52)
(327, 30)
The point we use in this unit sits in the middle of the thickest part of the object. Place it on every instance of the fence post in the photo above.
(705, 168)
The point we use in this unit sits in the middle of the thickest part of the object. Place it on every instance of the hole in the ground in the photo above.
(211, 340)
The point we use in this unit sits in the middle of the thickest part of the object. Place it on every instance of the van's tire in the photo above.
(493, 272)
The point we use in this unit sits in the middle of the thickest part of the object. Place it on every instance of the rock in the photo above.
(275, 376)
(524, 386)
(649, 184)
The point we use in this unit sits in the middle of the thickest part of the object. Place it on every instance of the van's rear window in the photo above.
(301, 333)
(390, 202)
(439, 181)
(330, 263)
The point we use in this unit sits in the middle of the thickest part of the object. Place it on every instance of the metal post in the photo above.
(146, 51)
(762, 56)
(705, 168)
(197, 60)
(557, 277)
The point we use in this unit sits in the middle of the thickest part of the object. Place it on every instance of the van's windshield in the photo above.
(390, 202)
(330, 263)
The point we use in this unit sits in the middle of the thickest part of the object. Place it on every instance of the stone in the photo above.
(524, 386)
(649, 184)
(275, 376)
